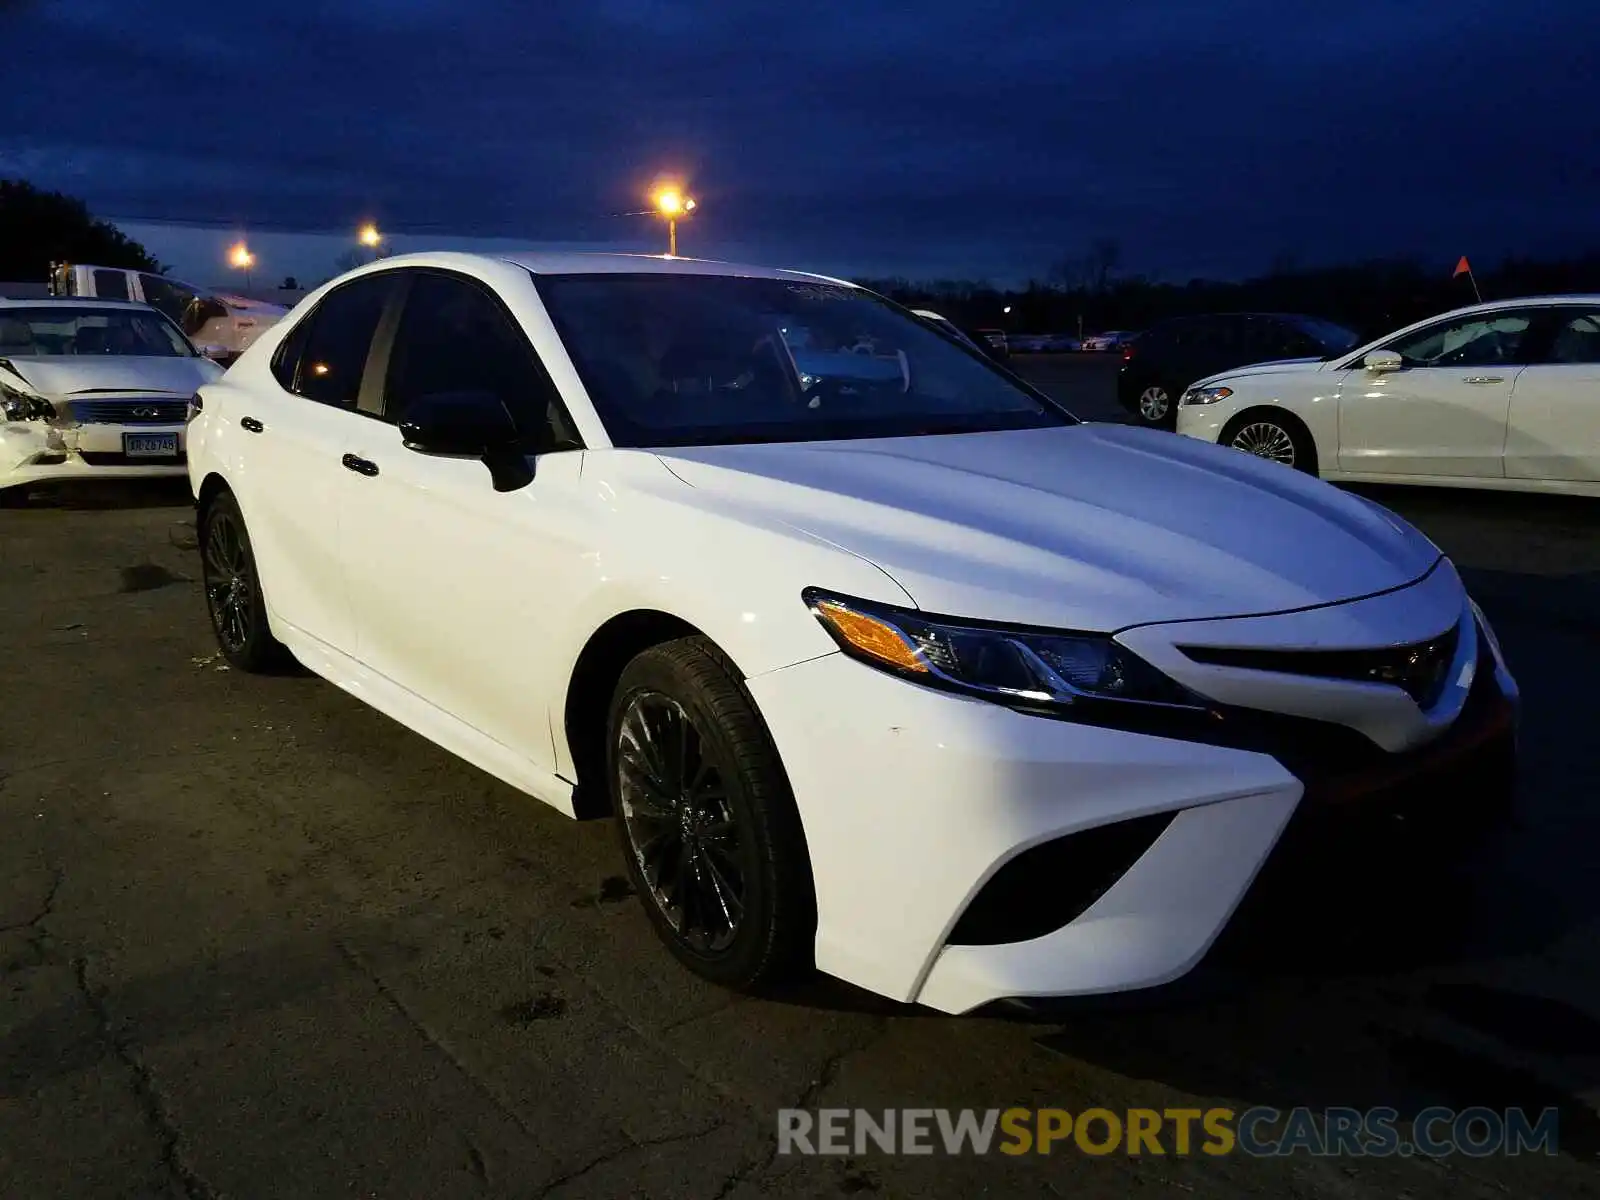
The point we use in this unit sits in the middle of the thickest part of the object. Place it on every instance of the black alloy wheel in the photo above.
(708, 824)
(683, 833)
(233, 589)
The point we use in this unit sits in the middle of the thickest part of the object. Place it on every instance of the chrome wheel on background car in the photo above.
(1154, 404)
(680, 825)
(1266, 439)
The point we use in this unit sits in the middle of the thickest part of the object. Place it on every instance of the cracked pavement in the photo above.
(259, 941)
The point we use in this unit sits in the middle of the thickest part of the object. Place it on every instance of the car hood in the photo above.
(73, 374)
(1281, 366)
(1084, 527)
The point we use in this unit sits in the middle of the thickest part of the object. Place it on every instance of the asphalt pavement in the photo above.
(257, 940)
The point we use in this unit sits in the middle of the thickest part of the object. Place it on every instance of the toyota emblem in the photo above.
(148, 413)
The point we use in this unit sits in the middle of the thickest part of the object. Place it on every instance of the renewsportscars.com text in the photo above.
(1259, 1132)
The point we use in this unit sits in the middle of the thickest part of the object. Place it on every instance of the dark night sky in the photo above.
(964, 138)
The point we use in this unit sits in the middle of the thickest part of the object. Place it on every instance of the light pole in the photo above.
(240, 258)
(672, 204)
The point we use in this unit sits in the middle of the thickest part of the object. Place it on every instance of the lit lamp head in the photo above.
(369, 235)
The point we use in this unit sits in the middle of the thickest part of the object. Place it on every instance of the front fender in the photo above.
(670, 548)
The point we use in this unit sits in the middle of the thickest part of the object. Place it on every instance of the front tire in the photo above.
(709, 828)
(233, 590)
(1269, 436)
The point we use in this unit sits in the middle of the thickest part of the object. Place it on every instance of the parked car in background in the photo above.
(92, 389)
(224, 324)
(1165, 359)
(998, 338)
(946, 325)
(1111, 340)
(897, 670)
(1502, 395)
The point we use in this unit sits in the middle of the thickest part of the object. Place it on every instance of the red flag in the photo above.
(1462, 268)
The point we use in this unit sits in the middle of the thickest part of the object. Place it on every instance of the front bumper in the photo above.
(41, 452)
(918, 806)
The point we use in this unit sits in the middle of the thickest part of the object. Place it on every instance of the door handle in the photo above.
(1480, 379)
(361, 466)
(251, 424)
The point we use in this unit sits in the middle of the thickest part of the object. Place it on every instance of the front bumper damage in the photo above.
(41, 451)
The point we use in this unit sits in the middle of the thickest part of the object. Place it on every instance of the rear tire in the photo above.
(708, 825)
(1155, 406)
(233, 590)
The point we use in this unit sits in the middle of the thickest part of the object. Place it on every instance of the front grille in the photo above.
(129, 411)
(101, 458)
(1419, 669)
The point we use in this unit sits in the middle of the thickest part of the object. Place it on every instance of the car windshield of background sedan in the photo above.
(50, 332)
(685, 360)
(1334, 339)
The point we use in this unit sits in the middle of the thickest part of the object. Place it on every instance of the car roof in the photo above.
(71, 301)
(540, 262)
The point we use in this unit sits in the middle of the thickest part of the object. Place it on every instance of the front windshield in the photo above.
(686, 360)
(64, 330)
(1334, 339)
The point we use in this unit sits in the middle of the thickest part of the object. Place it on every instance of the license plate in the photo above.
(150, 445)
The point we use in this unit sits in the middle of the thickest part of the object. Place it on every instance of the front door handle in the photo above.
(1480, 379)
(250, 423)
(361, 466)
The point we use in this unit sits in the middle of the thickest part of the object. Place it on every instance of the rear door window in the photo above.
(339, 339)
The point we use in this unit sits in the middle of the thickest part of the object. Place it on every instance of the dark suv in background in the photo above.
(1164, 360)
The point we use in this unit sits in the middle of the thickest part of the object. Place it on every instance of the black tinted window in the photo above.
(111, 285)
(685, 360)
(1577, 338)
(337, 342)
(171, 298)
(453, 337)
(287, 357)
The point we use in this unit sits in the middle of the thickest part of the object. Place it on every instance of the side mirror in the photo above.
(468, 425)
(1380, 362)
(218, 354)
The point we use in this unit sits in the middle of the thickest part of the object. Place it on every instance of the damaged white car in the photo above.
(92, 389)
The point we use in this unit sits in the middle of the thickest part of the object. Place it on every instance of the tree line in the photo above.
(1086, 293)
(1370, 298)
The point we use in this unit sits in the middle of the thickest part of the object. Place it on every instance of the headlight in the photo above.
(1206, 395)
(21, 406)
(1029, 669)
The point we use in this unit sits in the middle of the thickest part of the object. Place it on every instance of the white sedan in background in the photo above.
(879, 659)
(1503, 395)
(92, 389)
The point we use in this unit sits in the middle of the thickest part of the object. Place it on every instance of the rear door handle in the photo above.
(250, 423)
(1484, 379)
(361, 466)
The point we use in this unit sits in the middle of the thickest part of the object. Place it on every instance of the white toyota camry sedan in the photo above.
(879, 660)
(1492, 396)
(92, 389)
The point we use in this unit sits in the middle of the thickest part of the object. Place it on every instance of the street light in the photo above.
(369, 236)
(240, 258)
(672, 204)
